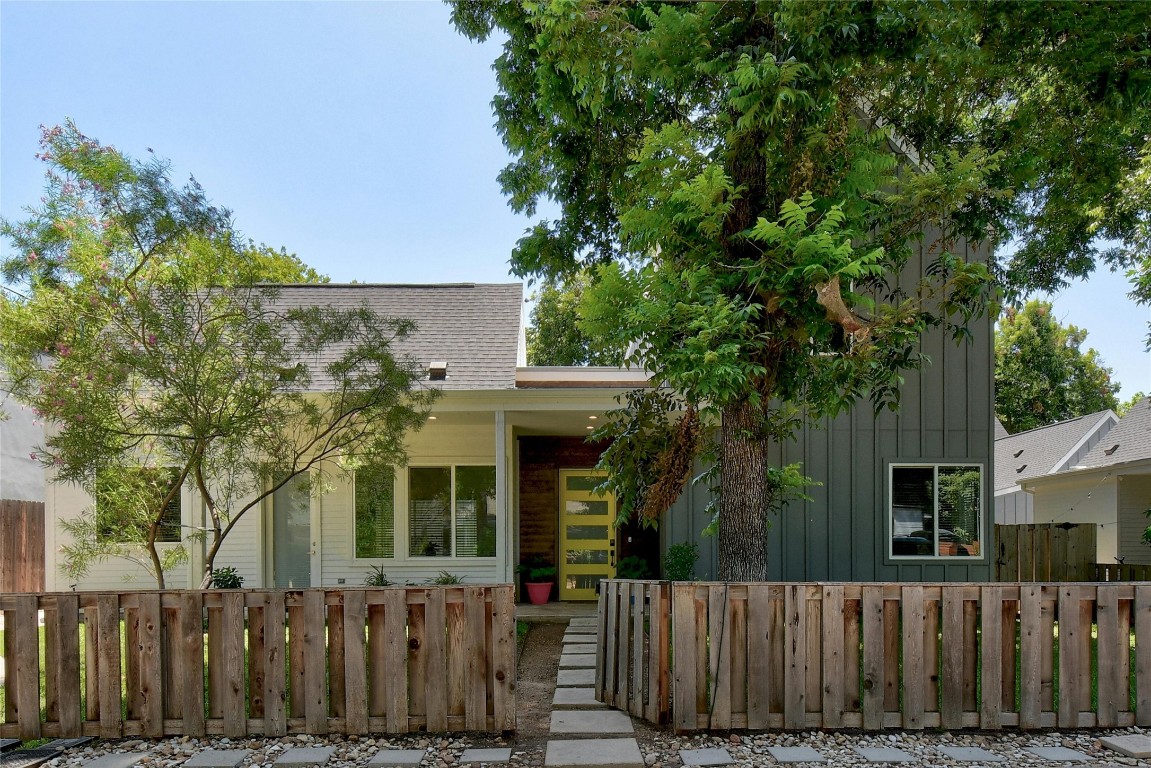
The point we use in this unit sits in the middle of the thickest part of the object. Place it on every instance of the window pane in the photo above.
(429, 511)
(292, 534)
(587, 532)
(586, 508)
(583, 482)
(912, 511)
(375, 512)
(475, 511)
(959, 518)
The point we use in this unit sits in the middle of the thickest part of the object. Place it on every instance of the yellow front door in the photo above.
(587, 534)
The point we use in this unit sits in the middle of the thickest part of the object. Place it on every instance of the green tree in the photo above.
(1043, 374)
(555, 336)
(143, 331)
(1129, 403)
(749, 213)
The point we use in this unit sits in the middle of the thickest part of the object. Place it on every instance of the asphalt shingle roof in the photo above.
(1132, 434)
(474, 327)
(1038, 450)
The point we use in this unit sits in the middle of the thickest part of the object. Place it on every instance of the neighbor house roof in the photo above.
(1043, 450)
(474, 328)
(1129, 440)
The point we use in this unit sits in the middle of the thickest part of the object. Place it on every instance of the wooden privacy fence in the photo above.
(273, 662)
(875, 656)
(1045, 552)
(21, 546)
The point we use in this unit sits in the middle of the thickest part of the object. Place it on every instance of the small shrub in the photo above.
(631, 567)
(377, 578)
(536, 570)
(679, 562)
(227, 578)
(445, 578)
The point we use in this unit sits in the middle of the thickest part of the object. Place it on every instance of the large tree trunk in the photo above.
(742, 495)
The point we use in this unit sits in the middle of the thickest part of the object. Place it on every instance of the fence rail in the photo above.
(876, 656)
(273, 662)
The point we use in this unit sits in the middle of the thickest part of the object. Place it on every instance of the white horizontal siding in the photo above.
(1088, 500)
(1134, 501)
(434, 445)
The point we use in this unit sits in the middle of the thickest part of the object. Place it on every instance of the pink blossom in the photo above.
(34, 457)
(152, 339)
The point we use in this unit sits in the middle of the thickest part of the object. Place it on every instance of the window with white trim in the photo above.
(375, 511)
(936, 510)
(452, 511)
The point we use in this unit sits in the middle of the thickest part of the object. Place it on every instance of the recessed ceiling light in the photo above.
(590, 427)
(432, 418)
(593, 418)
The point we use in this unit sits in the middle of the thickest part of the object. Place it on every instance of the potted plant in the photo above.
(539, 578)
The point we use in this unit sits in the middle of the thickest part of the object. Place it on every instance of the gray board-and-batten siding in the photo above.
(945, 415)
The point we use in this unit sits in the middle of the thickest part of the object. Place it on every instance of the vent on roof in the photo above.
(1019, 453)
(1020, 468)
(438, 371)
(1112, 449)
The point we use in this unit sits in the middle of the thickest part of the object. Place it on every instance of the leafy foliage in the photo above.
(145, 330)
(631, 567)
(1042, 373)
(377, 578)
(227, 578)
(750, 214)
(679, 561)
(555, 336)
(444, 578)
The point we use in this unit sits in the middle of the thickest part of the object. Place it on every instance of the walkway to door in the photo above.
(555, 612)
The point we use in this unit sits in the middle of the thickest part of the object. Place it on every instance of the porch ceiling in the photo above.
(567, 423)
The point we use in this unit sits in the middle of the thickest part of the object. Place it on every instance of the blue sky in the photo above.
(357, 135)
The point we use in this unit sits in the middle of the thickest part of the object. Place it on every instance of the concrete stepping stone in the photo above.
(496, 755)
(299, 757)
(971, 755)
(586, 753)
(707, 756)
(572, 677)
(796, 755)
(116, 760)
(397, 757)
(576, 698)
(27, 758)
(580, 648)
(577, 661)
(884, 755)
(1133, 745)
(581, 721)
(217, 758)
(1060, 754)
(62, 744)
(583, 623)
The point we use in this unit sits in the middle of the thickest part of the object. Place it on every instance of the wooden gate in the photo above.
(21, 546)
(1045, 552)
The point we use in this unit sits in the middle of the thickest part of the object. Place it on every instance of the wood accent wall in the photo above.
(541, 459)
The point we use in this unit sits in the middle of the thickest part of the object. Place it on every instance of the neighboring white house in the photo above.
(1108, 485)
(21, 476)
(1042, 451)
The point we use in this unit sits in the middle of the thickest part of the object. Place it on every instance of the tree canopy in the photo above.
(555, 336)
(143, 330)
(749, 181)
(1043, 374)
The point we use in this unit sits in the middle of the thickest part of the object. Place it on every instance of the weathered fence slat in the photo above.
(169, 663)
(914, 656)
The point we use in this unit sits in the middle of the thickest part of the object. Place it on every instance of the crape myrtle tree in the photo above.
(140, 328)
(1042, 372)
(748, 213)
